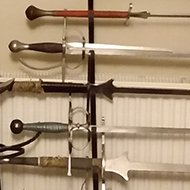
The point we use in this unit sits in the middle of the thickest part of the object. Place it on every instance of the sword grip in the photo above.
(17, 126)
(47, 47)
(64, 87)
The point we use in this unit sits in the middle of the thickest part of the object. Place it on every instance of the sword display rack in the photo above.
(91, 108)
(91, 99)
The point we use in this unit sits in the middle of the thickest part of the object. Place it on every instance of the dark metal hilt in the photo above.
(46, 47)
(17, 126)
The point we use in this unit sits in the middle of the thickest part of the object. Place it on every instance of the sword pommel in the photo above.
(47, 47)
(33, 12)
(16, 126)
(16, 46)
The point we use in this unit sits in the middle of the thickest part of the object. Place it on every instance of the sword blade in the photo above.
(122, 166)
(75, 48)
(146, 15)
(170, 15)
(141, 130)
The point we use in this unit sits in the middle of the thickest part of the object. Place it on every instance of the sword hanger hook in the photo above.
(65, 41)
(63, 65)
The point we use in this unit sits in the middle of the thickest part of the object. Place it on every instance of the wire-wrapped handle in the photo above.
(17, 126)
(47, 47)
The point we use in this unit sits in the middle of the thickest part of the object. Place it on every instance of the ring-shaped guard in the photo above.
(78, 126)
(65, 48)
(75, 127)
(64, 53)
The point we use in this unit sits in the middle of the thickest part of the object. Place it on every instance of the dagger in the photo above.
(120, 165)
(33, 13)
(77, 48)
(107, 88)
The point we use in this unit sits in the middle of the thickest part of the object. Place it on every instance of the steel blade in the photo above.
(75, 48)
(141, 130)
(146, 14)
(122, 166)
(170, 15)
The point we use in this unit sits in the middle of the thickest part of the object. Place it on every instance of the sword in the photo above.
(120, 165)
(33, 13)
(77, 48)
(17, 126)
(107, 88)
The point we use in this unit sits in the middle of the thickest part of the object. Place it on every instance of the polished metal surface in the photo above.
(16, 46)
(141, 130)
(74, 48)
(122, 166)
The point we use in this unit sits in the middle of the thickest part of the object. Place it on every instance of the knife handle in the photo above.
(47, 47)
(17, 126)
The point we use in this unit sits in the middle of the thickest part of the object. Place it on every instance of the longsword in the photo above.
(107, 88)
(33, 13)
(17, 126)
(121, 165)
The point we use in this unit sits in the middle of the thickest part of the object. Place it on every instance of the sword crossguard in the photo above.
(129, 11)
(6, 85)
(119, 165)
